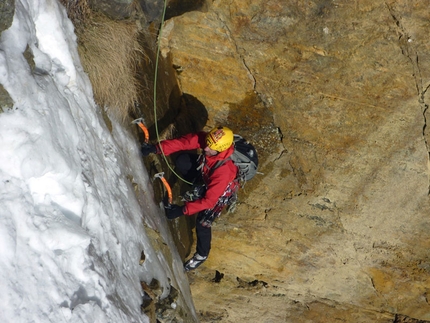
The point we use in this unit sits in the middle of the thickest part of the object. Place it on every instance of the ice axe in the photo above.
(141, 123)
(166, 185)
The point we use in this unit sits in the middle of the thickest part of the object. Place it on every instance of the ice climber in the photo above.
(213, 175)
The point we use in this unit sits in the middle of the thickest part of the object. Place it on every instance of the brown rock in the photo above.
(338, 226)
(7, 10)
(201, 46)
(114, 9)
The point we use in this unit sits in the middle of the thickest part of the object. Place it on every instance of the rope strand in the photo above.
(155, 94)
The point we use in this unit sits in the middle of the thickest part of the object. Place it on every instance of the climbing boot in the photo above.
(194, 262)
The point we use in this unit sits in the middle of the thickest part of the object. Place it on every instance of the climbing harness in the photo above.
(229, 197)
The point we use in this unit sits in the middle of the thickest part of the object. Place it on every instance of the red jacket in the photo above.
(216, 180)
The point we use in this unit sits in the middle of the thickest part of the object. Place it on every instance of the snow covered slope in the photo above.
(71, 226)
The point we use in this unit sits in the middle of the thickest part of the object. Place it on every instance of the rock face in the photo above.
(7, 10)
(212, 72)
(334, 94)
(115, 9)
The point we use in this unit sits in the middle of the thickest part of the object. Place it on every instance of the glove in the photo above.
(174, 211)
(147, 149)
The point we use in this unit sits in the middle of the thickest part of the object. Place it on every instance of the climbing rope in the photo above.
(157, 55)
(155, 94)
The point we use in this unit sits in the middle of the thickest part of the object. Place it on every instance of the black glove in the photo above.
(174, 211)
(148, 149)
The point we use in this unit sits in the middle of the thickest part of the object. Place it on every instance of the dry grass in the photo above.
(109, 52)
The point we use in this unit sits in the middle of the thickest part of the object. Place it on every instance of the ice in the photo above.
(72, 228)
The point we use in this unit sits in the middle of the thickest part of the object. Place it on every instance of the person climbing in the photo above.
(213, 176)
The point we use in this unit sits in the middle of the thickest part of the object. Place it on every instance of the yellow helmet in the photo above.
(219, 139)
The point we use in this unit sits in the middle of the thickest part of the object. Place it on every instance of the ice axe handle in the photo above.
(142, 126)
(167, 186)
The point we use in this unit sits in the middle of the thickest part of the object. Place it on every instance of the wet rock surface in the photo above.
(6, 101)
(334, 94)
(7, 10)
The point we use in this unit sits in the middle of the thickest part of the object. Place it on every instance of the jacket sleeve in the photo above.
(216, 186)
(187, 142)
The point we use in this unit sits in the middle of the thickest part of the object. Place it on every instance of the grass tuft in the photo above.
(110, 52)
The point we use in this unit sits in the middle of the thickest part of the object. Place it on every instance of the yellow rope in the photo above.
(155, 94)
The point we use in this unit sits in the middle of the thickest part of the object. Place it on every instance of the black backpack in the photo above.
(245, 158)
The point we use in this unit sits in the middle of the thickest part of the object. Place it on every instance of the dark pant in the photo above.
(186, 164)
(204, 237)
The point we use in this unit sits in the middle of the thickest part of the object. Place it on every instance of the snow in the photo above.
(72, 227)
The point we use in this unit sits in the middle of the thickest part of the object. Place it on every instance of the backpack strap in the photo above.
(219, 163)
(203, 164)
